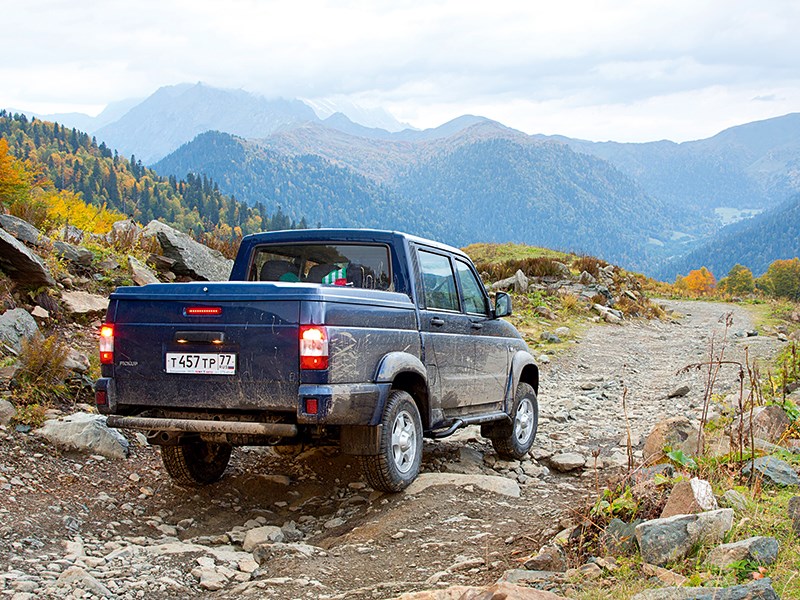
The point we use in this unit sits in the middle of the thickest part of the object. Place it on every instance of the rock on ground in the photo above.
(761, 550)
(567, 461)
(774, 470)
(761, 589)
(17, 325)
(676, 432)
(142, 275)
(666, 540)
(688, 497)
(498, 591)
(87, 433)
(23, 266)
(7, 412)
(490, 483)
(84, 303)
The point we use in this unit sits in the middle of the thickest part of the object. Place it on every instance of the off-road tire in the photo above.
(513, 440)
(397, 464)
(196, 462)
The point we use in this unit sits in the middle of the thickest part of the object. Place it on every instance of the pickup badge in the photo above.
(128, 363)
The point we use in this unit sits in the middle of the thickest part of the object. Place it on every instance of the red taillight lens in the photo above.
(107, 345)
(202, 311)
(313, 347)
(101, 398)
(312, 406)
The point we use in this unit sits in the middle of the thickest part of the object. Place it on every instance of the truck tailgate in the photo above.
(168, 353)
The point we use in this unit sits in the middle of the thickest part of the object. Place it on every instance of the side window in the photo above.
(438, 282)
(472, 290)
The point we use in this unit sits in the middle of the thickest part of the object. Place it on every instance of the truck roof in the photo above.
(344, 235)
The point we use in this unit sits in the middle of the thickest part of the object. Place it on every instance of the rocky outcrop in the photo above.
(86, 433)
(17, 325)
(192, 258)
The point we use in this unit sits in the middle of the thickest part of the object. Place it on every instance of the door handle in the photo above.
(476, 325)
(437, 321)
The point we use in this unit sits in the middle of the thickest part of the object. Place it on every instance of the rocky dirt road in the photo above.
(77, 526)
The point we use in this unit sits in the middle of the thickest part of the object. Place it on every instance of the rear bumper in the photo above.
(343, 403)
(203, 426)
(336, 404)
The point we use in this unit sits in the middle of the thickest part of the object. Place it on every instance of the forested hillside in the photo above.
(73, 161)
(302, 186)
(754, 243)
(540, 194)
(471, 186)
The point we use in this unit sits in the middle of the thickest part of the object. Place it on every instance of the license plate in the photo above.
(200, 363)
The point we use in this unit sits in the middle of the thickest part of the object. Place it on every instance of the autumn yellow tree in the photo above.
(699, 282)
(15, 179)
(782, 279)
(738, 282)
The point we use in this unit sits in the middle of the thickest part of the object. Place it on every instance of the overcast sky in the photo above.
(627, 70)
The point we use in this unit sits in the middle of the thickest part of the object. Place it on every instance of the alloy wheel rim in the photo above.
(524, 421)
(404, 442)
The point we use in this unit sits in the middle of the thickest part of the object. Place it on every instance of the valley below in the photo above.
(73, 525)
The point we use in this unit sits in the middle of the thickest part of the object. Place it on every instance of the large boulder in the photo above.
(662, 541)
(758, 590)
(124, 233)
(87, 433)
(773, 470)
(23, 266)
(761, 550)
(192, 258)
(16, 325)
(676, 432)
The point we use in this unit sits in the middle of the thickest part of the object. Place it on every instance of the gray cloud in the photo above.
(529, 63)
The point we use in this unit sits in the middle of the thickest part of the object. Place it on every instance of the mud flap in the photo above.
(361, 440)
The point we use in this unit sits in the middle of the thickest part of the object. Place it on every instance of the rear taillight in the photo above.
(107, 345)
(313, 347)
(101, 398)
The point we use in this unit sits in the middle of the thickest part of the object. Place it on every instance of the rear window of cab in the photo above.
(358, 265)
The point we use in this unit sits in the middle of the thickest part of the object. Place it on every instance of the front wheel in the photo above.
(400, 456)
(196, 462)
(512, 441)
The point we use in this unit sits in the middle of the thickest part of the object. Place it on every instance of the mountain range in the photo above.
(646, 206)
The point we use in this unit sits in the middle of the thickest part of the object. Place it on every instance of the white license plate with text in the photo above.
(201, 363)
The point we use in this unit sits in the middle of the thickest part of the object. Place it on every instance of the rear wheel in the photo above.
(400, 456)
(196, 462)
(512, 441)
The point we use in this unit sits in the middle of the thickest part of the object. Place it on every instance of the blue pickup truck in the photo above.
(365, 339)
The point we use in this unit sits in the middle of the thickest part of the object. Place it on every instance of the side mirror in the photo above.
(502, 305)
